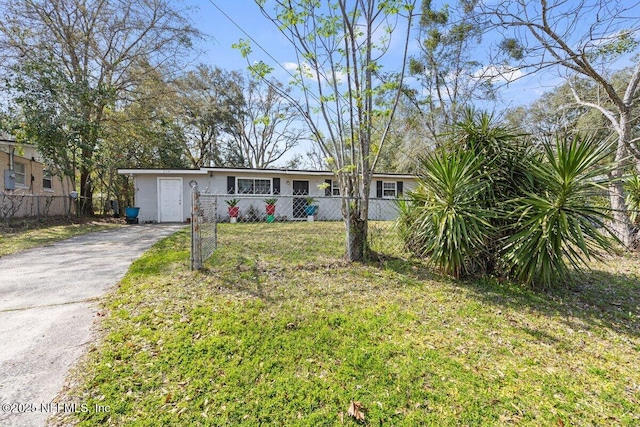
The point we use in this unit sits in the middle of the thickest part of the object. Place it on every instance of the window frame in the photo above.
(335, 188)
(253, 185)
(22, 174)
(47, 177)
(384, 190)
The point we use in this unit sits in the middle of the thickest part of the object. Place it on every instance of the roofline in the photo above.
(161, 171)
(211, 170)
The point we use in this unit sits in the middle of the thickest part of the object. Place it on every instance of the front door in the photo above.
(170, 200)
(300, 188)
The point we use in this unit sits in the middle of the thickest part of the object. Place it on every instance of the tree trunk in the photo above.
(86, 192)
(621, 224)
(357, 229)
(357, 246)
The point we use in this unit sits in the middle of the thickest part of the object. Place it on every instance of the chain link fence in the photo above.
(299, 229)
(39, 206)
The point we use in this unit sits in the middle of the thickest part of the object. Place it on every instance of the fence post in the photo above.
(196, 242)
(348, 227)
(38, 207)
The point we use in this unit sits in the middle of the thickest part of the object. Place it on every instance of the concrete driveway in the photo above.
(48, 303)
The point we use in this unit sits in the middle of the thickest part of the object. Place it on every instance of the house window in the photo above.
(332, 187)
(47, 182)
(389, 190)
(254, 186)
(335, 188)
(20, 170)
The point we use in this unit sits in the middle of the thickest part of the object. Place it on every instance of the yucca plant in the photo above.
(559, 225)
(448, 223)
(632, 185)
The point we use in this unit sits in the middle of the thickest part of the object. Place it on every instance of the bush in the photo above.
(488, 203)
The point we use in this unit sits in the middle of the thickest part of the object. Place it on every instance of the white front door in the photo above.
(170, 200)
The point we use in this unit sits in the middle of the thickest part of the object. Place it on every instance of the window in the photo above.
(389, 190)
(335, 188)
(254, 186)
(20, 170)
(331, 187)
(47, 183)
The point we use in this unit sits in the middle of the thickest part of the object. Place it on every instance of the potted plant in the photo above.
(234, 210)
(271, 209)
(311, 209)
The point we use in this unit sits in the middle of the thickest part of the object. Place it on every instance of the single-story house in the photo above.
(164, 195)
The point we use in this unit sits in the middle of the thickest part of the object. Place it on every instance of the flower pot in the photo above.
(234, 211)
(271, 209)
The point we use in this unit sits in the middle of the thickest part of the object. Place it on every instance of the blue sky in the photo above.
(246, 14)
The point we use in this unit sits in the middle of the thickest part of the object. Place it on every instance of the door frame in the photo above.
(180, 195)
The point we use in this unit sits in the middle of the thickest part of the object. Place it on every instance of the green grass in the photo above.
(13, 240)
(279, 331)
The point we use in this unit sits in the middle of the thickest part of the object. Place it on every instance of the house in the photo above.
(22, 170)
(27, 186)
(163, 195)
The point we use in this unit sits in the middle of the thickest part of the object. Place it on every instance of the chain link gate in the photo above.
(204, 226)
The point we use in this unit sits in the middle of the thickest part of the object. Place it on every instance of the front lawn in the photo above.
(279, 333)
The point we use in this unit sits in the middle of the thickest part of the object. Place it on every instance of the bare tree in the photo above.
(209, 103)
(584, 39)
(89, 46)
(340, 47)
(268, 127)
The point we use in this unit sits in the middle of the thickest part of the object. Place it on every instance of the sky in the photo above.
(217, 50)
(244, 20)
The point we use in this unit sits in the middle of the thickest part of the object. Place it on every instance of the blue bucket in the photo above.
(131, 212)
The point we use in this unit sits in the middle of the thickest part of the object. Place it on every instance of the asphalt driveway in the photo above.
(48, 303)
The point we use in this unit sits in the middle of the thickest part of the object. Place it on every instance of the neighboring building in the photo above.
(163, 195)
(27, 188)
(23, 172)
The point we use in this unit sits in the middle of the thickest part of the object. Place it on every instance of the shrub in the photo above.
(489, 203)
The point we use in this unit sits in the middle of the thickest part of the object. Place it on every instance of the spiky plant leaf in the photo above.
(559, 226)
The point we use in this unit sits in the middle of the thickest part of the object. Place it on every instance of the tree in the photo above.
(339, 71)
(581, 39)
(265, 130)
(90, 47)
(446, 69)
(141, 133)
(210, 101)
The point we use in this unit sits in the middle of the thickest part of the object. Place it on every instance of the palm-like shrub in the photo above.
(560, 225)
(447, 220)
(488, 203)
(632, 185)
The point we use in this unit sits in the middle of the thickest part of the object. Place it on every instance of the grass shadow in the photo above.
(595, 298)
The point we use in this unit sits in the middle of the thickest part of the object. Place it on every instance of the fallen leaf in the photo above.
(356, 410)
(560, 422)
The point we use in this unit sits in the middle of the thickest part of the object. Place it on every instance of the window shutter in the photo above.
(379, 189)
(327, 190)
(231, 185)
(276, 185)
(399, 188)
